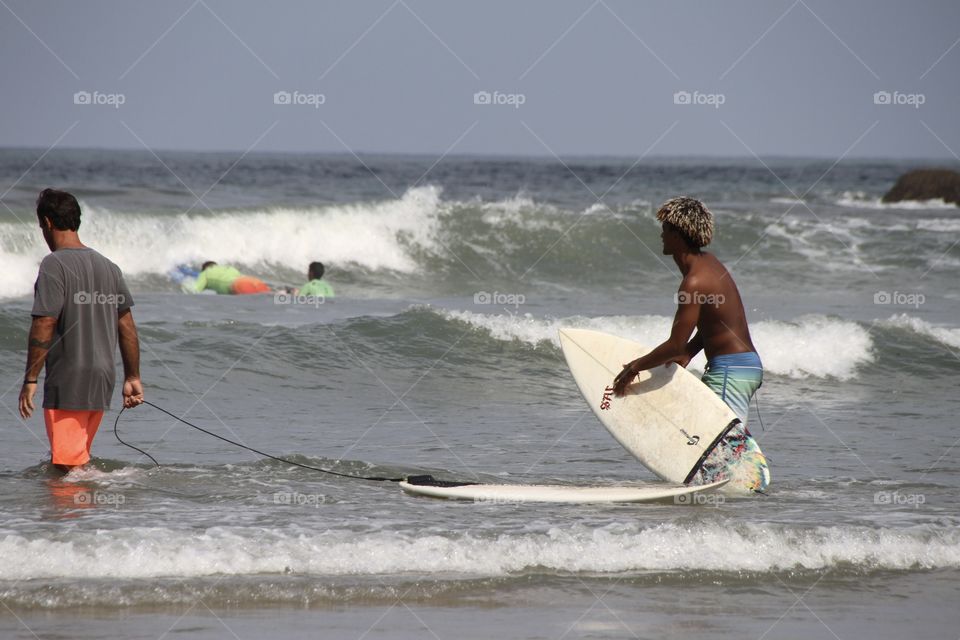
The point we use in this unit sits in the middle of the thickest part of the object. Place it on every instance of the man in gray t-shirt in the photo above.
(81, 310)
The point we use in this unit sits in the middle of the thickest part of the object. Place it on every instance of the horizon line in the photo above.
(486, 155)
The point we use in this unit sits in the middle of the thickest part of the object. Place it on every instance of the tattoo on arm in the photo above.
(41, 338)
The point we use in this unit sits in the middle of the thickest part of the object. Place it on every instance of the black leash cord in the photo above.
(757, 404)
(116, 433)
(243, 446)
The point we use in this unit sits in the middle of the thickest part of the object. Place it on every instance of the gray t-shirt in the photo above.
(85, 292)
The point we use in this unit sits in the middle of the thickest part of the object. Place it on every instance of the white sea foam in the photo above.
(861, 200)
(516, 211)
(946, 335)
(21, 250)
(155, 552)
(942, 263)
(811, 346)
(381, 235)
(516, 204)
(596, 208)
(783, 200)
(92, 474)
(19, 272)
(375, 235)
(945, 225)
(387, 235)
(829, 245)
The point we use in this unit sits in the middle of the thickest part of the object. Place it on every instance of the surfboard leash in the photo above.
(116, 423)
(756, 403)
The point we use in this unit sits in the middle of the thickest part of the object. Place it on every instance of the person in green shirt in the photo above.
(317, 286)
(227, 280)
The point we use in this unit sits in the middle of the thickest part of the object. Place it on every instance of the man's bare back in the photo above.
(709, 304)
(708, 301)
(722, 324)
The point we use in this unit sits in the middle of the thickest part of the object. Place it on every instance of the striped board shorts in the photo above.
(735, 378)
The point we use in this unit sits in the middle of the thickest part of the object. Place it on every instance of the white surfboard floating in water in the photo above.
(668, 419)
(510, 493)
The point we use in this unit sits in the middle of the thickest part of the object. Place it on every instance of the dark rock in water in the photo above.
(926, 184)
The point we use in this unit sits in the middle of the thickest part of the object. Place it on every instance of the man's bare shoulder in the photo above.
(712, 262)
(693, 281)
(708, 269)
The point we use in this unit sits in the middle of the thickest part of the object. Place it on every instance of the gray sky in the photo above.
(793, 78)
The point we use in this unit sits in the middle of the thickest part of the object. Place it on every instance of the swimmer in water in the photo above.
(316, 285)
(227, 280)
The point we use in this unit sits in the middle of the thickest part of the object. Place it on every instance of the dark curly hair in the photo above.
(60, 207)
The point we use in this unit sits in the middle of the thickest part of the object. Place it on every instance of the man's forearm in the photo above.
(663, 354)
(129, 346)
(42, 337)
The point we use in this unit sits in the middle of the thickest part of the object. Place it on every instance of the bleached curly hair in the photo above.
(690, 217)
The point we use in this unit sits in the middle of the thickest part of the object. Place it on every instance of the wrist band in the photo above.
(29, 382)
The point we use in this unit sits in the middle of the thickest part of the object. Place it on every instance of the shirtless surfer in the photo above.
(708, 301)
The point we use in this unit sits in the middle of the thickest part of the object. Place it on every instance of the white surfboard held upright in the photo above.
(668, 419)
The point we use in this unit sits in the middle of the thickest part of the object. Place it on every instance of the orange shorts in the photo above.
(71, 434)
(248, 284)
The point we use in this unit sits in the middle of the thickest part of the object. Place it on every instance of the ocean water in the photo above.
(439, 355)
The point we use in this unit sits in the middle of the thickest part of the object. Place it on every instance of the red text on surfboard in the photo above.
(607, 397)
